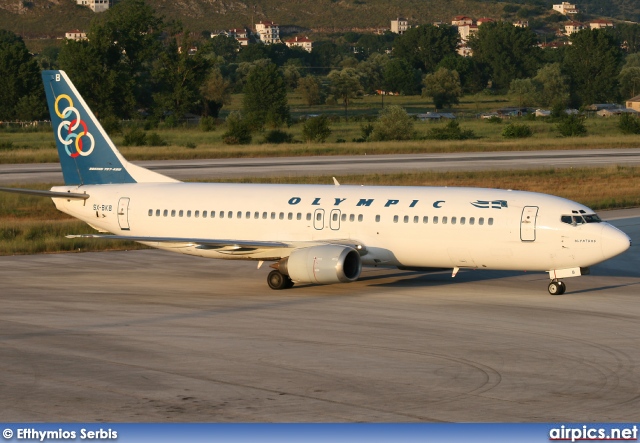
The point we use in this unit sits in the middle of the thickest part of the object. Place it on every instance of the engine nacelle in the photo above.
(323, 264)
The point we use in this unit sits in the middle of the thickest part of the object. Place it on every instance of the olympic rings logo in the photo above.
(71, 137)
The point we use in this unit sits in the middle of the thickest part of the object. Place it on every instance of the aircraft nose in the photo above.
(613, 241)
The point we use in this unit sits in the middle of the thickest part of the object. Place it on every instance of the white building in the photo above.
(302, 42)
(573, 27)
(565, 8)
(599, 24)
(94, 5)
(75, 34)
(399, 25)
(268, 32)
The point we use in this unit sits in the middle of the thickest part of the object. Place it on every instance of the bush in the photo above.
(150, 123)
(190, 145)
(629, 124)
(207, 124)
(238, 132)
(451, 131)
(171, 122)
(111, 125)
(277, 136)
(494, 119)
(366, 131)
(514, 130)
(135, 137)
(154, 139)
(393, 124)
(572, 126)
(316, 129)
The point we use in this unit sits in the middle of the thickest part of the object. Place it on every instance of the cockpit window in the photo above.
(580, 219)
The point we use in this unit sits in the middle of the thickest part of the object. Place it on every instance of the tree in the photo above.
(216, 91)
(473, 78)
(425, 46)
(21, 93)
(372, 72)
(345, 86)
(238, 131)
(400, 76)
(393, 124)
(629, 124)
(593, 63)
(112, 69)
(316, 129)
(443, 87)
(265, 98)
(310, 88)
(179, 77)
(524, 89)
(552, 86)
(629, 79)
(222, 46)
(508, 51)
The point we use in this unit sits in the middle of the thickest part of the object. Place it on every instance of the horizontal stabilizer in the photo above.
(50, 194)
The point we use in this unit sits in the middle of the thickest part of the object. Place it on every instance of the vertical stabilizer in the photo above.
(87, 154)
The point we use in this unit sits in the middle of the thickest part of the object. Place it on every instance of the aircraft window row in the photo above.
(442, 220)
(580, 219)
(255, 215)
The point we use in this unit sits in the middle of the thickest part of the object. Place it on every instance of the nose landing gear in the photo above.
(557, 287)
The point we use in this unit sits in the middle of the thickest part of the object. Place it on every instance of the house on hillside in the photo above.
(399, 25)
(268, 32)
(573, 27)
(565, 8)
(94, 5)
(521, 24)
(599, 24)
(634, 103)
(301, 42)
(461, 20)
(484, 20)
(75, 34)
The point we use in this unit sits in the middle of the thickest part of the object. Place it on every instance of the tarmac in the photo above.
(150, 336)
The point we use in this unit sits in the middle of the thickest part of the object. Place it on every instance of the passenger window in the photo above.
(319, 216)
(181, 213)
(463, 220)
(282, 216)
(150, 212)
(416, 219)
(490, 221)
(256, 215)
(481, 221)
(213, 214)
(188, 213)
(221, 214)
(335, 216)
(377, 218)
(352, 217)
(299, 216)
(204, 214)
(165, 212)
(360, 217)
(406, 219)
(344, 217)
(425, 219)
(444, 220)
(290, 216)
(230, 214)
(239, 214)
(247, 215)
(197, 214)
(472, 220)
(435, 220)
(454, 220)
(264, 215)
(309, 216)
(395, 219)
(157, 212)
(173, 213)
(273, 216)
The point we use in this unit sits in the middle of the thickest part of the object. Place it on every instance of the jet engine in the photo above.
(322, 264)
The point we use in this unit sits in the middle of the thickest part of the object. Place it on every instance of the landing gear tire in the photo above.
(278, 280)
(557, 288)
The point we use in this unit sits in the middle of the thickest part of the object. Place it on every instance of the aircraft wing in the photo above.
(228, 244)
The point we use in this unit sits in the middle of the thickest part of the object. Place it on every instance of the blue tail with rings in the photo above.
(87, 154)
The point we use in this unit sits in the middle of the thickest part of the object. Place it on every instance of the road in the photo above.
(338, 165)
(149, 336)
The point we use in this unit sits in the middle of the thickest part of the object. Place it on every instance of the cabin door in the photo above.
(528, 223)
(123, 213)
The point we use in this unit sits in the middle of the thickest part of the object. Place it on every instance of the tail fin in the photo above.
(87, 154)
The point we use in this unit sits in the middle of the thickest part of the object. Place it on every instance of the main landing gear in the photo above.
(557, 287)
(277, 280)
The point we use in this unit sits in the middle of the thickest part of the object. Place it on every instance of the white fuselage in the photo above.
(430, 227)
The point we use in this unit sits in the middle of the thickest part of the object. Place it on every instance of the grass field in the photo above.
(30, 225)
(39, 147)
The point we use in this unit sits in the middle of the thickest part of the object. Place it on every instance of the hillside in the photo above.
(51, 18)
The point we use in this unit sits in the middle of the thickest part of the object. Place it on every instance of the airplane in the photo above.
(318, 234)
